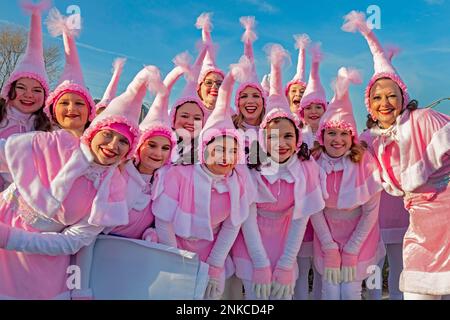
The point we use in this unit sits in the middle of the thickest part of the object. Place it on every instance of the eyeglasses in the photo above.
(210, 83)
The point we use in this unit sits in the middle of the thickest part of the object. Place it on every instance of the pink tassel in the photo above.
(57, 24)
(356, 21)
(392, 51)
(301, 41)
(242, 70)
(204, 22)
(316, 52)
(31, 7)
(277, 54)
(155, 84)
(118, 64)
(249, 24)
(345, 77)
(183, 60)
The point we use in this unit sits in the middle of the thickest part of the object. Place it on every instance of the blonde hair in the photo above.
(238, 119)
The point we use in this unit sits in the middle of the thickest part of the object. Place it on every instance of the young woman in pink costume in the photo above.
(145, 173)
(347, 236)
(44, 216)
(23, 95)
(203, 206)
(412, 146)
(70, 106)
(310, 109)
(266, 251)
(211, 77)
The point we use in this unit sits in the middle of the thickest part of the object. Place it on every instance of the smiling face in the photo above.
(296, 92)
(154, 153)
(281, 140)
(109, 147)
(312, 115)
(251, 105)
(72, 113)
(386, 102)
(222, 155)
(189, 120)
(28, 95)
(337, 142)
(209, 89)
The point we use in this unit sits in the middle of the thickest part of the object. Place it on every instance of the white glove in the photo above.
(212, 290)
(262, 291)
(280, 291)
(332, 275)
(348, 274)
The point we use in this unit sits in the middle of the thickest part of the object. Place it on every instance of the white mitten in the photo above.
(212, 290)
(348, 274)
(262, 291)
(332, 275)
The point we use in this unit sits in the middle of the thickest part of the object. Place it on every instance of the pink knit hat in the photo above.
(209, 63)
(251, 80)
(189, 93)
(32, 63)
(71, 79)
(126, 108)
(356, 21)
(157, 122)
(314, 93)
(111, 90)
(301, 43)
(277, 103)
(340, 111)
(220, 123)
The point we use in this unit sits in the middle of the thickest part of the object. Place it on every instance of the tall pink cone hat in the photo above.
(251, 79)
(111, 90)
(220, 122)
(356, 21)
(189, 93)
(265, 84)
(32, 63)
(314, 93)
(157, 121)
(209, 63)
(340, 111)
(301, 43)
(277, 103)
(71, 79)
(122, 114)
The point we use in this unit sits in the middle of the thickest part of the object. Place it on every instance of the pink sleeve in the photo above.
(253, 240)
(369, 219)
(322, 231)
(4, 235)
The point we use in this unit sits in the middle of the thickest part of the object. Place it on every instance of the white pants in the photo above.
(395, 259)
(250, 294)
(301, 291)
(342, 291)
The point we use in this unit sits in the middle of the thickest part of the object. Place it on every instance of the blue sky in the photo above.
(154, 31)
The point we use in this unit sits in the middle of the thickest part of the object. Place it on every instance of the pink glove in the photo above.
(349, 260)
(332, 259)
(215, 272)
(4, 235)
(262, 275)
(150, 235)
(284, 277)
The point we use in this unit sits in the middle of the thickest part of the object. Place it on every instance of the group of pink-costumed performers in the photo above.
(272, 188)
